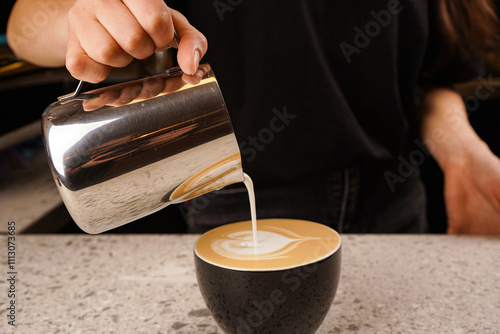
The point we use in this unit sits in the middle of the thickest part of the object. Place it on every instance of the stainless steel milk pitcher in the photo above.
(122, 152)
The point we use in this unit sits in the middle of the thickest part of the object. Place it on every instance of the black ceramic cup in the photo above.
(288, 287)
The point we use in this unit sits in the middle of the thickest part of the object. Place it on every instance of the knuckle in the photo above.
(76, 66)
(76, 18)
(112, 55)
(73, 14)
(134, 41)
(159, 26)
(198, 38)
(84, 69)
(106, 54)
(139, 45)
(158, 22)
(203, 41)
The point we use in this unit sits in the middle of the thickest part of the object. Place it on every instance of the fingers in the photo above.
(82, 66)
(125, 28)
(452, 231)
(112, 33)
(195, 78)
(103, 35)
(155, 19)
(192, 44)
(91, 49)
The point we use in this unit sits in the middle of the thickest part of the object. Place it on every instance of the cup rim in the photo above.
(317, 260)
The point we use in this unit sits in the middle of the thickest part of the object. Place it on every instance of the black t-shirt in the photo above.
(315, 85)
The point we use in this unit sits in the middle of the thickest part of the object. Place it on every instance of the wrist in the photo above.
(446, 130)
(459, 151)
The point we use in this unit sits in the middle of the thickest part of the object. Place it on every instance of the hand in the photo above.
(471, 170)
(472, 192)
(107, 34)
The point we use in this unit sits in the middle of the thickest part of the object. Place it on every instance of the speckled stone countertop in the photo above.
(146, 284)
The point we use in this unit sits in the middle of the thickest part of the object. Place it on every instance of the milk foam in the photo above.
(267, 244)
(241, 246)
(282, 244)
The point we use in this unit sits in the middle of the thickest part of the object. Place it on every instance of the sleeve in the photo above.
(453, 69)
(443, 67)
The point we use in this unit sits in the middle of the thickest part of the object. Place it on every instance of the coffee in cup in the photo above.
(285, 283)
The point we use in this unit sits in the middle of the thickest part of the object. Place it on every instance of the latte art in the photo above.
(240, 245)
(281, 243)
(271, 275)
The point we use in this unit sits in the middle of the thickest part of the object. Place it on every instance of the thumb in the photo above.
(192, 44)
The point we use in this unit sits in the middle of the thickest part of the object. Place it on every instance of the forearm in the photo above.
(37, 31)
(471, 171)
(446, 129)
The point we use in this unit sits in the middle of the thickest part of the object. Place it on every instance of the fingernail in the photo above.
(196, 60)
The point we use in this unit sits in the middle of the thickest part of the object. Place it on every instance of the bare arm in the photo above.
(471, 170)
(37, 31)
(92, 36)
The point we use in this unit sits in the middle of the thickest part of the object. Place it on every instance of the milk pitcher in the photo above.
(125, 151)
